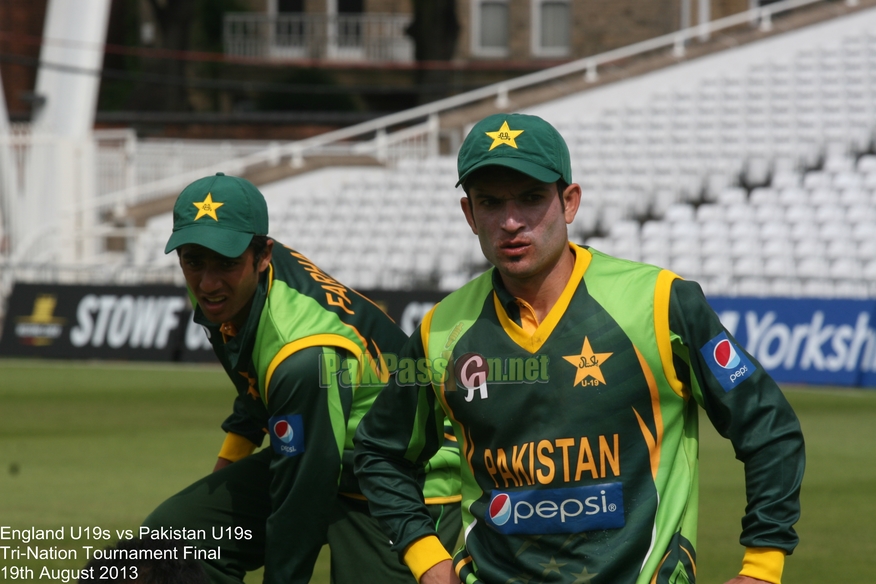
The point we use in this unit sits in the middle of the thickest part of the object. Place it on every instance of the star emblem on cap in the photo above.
(207, 207)
(589, 365)
(504, 135)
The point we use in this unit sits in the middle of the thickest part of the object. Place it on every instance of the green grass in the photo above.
(101, 445)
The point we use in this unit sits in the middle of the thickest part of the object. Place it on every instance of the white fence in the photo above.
(372, 38)
(124, 162)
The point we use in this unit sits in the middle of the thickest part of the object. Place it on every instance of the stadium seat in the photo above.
(779, 267)
(766, 195)
(769, 214)
(818, 288)
(800, 213)
(792, 196)
(752, 286)
(788, 287)
(748, 266)
(813, 267)
(717, 266)
(816, 179)
(846, 268)
(866, 164)
(838, 249)
(851, 289)
(686, 266)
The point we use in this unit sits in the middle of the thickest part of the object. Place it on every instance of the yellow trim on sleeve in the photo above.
(425, 326)
(423, 554)
(357, 496)
(235, 447)
(661, 329)
(443, 500)
(321, 340)
(764, 564)
(270, 277)
(461, 564)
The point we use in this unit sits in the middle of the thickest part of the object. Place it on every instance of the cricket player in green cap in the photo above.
(574, 382)
(307, 356)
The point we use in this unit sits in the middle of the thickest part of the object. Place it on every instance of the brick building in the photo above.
(21, 26)
(515, 30)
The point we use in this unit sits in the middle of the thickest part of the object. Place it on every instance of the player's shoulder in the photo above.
(479, 287)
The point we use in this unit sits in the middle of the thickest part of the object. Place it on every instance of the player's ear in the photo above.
(571, 201)
(266, 255)
(465, 203)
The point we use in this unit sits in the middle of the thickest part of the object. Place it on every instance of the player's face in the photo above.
(223, 287)
(520, 222)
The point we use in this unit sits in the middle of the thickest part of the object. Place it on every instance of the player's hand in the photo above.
(746, 580)
(440, 573)
(221, 463)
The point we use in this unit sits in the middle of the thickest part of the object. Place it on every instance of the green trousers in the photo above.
(231, 506)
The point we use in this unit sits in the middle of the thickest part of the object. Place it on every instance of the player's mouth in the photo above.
(514, 248)
(213, 304)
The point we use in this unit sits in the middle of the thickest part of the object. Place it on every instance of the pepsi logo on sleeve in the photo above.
(287, 434)
(727, 362)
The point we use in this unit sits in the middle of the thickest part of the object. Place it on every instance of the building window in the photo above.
(287, 6)
(490, 28)
(350, 23)
(551, 28)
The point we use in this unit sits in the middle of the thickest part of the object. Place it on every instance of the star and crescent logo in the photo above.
(207, 207)
(589, 365)
(504, 135)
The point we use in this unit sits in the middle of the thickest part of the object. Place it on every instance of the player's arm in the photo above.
(397, 436)
(243, 435)
(751, 411)
(304, 469)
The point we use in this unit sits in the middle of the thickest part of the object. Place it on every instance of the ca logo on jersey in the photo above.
(589, 364)
(472, 371)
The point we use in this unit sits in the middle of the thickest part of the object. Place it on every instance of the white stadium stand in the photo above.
(758, 180)
(751, 170)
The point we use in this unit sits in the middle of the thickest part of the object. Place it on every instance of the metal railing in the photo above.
(124, 162)
(372, 38)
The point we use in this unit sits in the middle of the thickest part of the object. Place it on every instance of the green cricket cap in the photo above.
(525, 143)
(221, 213)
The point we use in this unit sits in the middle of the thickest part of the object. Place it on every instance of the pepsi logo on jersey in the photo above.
(287, 434)
(727, 363)
(570, 510)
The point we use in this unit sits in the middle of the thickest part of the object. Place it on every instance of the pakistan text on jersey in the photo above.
(365, 371)
(548, 461)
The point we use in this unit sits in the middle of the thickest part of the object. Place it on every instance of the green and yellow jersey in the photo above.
(579, 434)
(303, 328)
